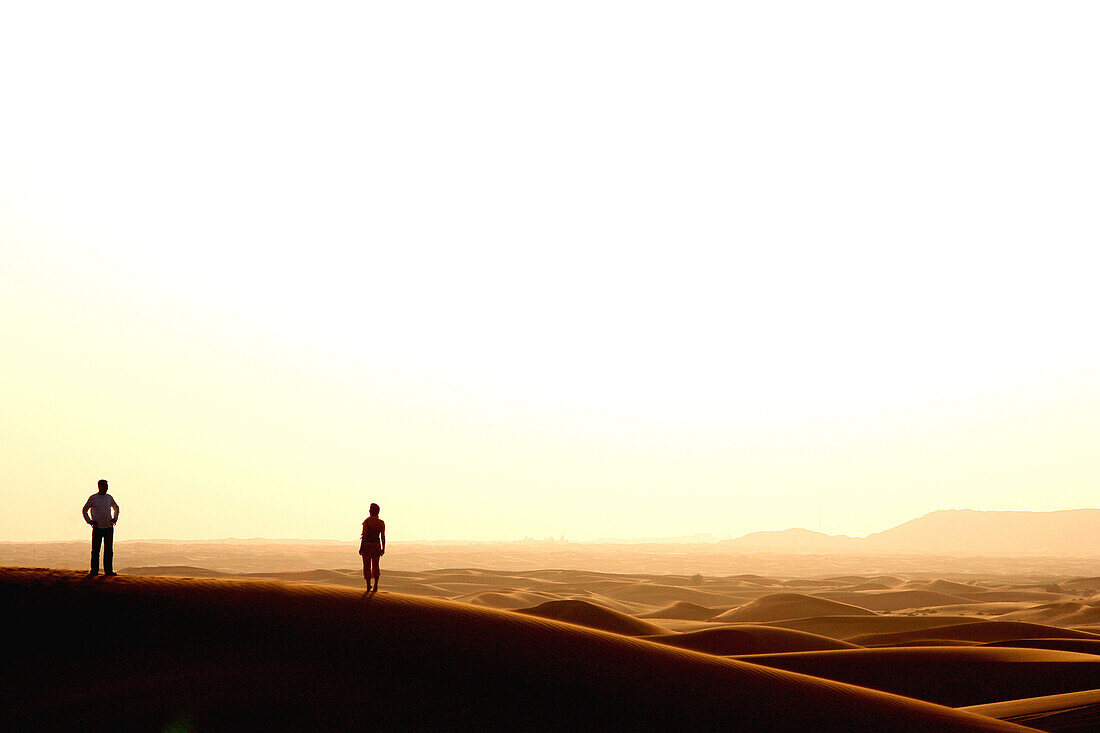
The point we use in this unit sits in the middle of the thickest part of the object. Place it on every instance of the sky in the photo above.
(592, 269)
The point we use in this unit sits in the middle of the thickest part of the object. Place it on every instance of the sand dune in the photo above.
(807, 583)
(887, 580)
(975, 608)
(984, 594)
(656, 594)
(849, 580)
(950, 587)
(1082, 646)
(848, 627)
(1088, 628)
(1067, 613)
(601, 600)
(1083, 585)
(593, 616)
(893, 600)
(948, 675)
(510, 600)
(218, 654)
(932, 642)
(757, 580)
(783, 606)
(749, 639)
(1071, 712)
(975, 631)
(1008, 596)
(683, 610)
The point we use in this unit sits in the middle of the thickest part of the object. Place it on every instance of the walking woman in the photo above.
(373, 546)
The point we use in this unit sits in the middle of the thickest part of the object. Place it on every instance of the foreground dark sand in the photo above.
(143, 653)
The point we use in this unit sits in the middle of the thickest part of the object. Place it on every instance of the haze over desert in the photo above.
(581, 365)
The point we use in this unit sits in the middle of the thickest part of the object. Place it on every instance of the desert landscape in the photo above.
(501, 638)
(684, 367)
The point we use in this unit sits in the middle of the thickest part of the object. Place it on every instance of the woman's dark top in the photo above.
(373, 527)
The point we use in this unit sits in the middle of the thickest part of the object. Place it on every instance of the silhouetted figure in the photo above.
(373, 546)
(104, 513)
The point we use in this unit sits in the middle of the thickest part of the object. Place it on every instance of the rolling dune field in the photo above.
(202, 649)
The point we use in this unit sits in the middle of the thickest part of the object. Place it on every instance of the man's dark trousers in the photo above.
(106, 535)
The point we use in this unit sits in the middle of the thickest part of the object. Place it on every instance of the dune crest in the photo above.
(981, 631)
(683, 610)
(593, 616)
(749, 639)
(785, 606)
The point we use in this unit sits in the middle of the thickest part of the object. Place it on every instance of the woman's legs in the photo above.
(376, 571)
(370, 565)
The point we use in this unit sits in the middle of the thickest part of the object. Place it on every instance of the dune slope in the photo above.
(1073, 712)
(593, 616)
(948, 675)
(784, 606)
(749, 639)
(893, 600)
(217, 654)
(981, 631)
(683, 610)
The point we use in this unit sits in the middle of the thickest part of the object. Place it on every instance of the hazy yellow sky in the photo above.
(585, 268)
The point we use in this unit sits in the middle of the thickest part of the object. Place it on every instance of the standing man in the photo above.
(104, 514)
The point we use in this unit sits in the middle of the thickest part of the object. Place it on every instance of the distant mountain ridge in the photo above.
(794, 540)
(1072, 532)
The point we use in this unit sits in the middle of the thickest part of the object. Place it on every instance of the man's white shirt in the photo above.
(100, 506)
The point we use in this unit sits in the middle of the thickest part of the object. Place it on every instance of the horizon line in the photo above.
(696, 538)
